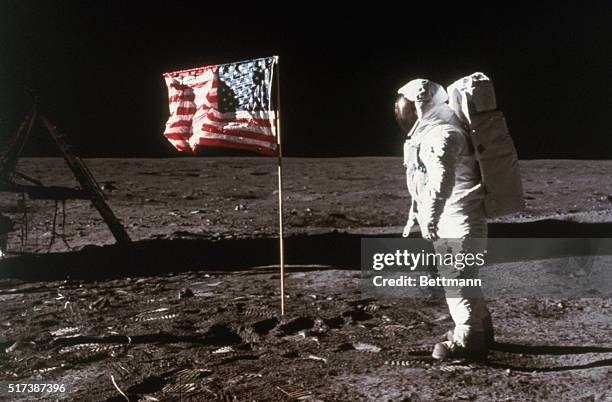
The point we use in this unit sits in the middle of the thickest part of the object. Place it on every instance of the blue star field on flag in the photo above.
(245, 86)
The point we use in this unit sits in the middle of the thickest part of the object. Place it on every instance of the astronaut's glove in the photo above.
(408, 227)
(430, 231)
(412, 220)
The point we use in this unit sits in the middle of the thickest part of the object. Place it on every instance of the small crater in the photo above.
(264, 326)
(297, 325)
(334, 322)
(357, 315)
(222, 335)
(294, 354)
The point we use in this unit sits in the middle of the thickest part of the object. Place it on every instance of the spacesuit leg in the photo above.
(466, 304)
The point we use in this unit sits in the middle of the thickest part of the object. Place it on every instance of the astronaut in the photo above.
(447, 194)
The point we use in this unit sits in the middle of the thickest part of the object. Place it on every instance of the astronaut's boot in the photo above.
(489, 332)
(452, 350)
(474, 349)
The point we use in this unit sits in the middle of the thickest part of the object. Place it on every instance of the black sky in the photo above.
(98, 65)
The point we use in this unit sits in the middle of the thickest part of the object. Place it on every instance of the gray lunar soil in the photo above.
(190, 310)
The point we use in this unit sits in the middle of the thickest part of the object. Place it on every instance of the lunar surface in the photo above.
(190, 309)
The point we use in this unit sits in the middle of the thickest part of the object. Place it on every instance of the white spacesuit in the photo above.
(447, 202)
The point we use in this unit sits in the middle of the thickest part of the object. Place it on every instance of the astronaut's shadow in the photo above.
(527, 357)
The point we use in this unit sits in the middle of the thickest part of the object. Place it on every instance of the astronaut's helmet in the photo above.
(405, 113)
(425, 94)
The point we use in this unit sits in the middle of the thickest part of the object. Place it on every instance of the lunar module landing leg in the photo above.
(89, 187)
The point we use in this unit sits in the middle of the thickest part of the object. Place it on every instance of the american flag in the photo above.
(225, 105)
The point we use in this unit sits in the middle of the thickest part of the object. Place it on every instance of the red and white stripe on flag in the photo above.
(197, 120)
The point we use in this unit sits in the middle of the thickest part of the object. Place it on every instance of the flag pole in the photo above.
(280, 189)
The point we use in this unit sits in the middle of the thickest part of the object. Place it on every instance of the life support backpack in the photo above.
(472, 98)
